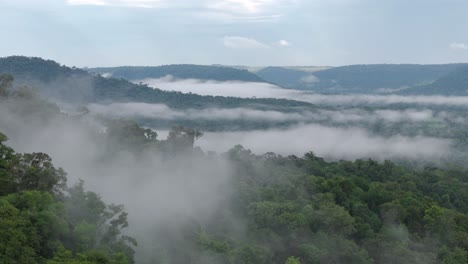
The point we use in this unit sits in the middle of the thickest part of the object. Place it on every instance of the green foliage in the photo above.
(293, 260)
(128, 135)
(35, 171)
(337, 212)
(17, 240)
(43, 221)
(457, 256)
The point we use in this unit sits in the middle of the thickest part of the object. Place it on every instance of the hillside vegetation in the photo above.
(180, 71)
(73, 85)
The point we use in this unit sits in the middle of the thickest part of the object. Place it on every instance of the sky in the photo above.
(235, 32)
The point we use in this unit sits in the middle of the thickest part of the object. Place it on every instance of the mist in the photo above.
(162, 194)
(266, 90)
(161, 111)
(158, 192)
(331, 142)
(215, 88)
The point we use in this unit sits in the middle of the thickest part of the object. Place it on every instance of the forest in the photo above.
(180, 71)
(269, 209)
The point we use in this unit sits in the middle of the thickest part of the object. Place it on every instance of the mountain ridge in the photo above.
(74, 85)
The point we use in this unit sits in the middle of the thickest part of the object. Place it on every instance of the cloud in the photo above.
(240, 6)
(458, 46)
(246, 8)
(236, 42)
(283, 43)
(243, 6)
(123, 3)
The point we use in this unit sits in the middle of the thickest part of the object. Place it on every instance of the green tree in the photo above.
(6, 81)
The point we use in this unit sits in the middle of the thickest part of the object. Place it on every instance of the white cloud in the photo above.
(458, 46)
(124, 3)
(241, 6)
(236, 42)
(230, 11)
(283, 43)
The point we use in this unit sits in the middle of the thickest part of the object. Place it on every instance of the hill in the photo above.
(378, 78)
(179, 71)
(54, 81)
(454, 83)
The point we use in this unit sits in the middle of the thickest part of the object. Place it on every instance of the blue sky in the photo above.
(236, 32)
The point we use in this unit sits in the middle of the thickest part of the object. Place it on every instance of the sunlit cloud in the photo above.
(237, 42)
(241, 6)
(122, 3)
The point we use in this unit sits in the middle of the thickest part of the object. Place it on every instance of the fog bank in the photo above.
(334, 143)
(265, 90)
(161, 111)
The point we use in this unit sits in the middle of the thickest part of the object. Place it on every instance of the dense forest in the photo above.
(42, 220)
(274, 209)
(179, 71)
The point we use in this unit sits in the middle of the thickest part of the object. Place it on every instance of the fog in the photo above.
(331, 142)
(158, 192)
(265, 90)
(365, 99)
(215, 88)
(314, 131)
(161, 111)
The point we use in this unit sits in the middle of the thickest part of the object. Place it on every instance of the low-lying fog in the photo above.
(333, 133)
(217, 88)
(331, 142)
(337, 134)
(266, 90)
(161, 111)
(196, 185)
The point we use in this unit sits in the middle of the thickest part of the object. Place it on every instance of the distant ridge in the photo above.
(374, 78)
(454, 83)
(179, 71)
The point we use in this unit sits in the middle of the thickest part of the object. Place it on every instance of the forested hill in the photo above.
(376, 78)
(454, 83)
(180, 71)
(73, 85)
